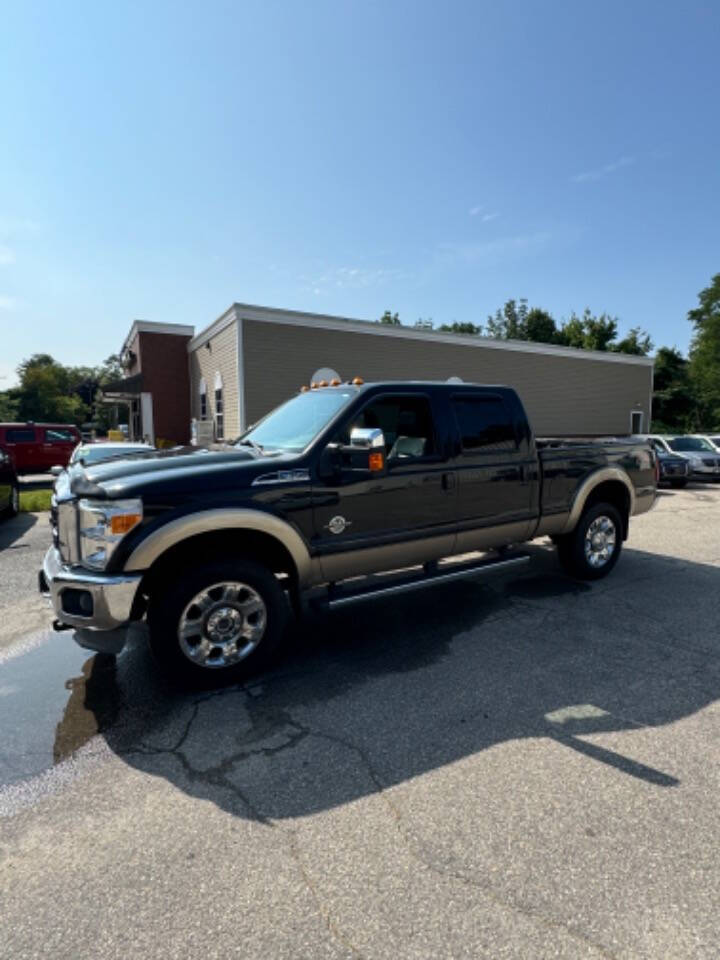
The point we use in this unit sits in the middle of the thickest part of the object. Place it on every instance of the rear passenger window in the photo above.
(485, 424)
(59, 436)
(19, 435)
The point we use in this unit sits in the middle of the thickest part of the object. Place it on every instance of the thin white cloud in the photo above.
(600, 172)
(451, 253)
(7, 256)
(7, 303)
(486, 217)
(351, 278)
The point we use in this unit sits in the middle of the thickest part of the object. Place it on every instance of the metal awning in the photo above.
(123, 390)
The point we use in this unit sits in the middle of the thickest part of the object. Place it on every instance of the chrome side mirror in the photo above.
(367, 438)
(56, 471)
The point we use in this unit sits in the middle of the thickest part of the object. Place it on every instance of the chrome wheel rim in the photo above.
(222, 625)
(600, 540)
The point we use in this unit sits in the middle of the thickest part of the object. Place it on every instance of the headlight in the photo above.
(103, 524)
(696, 461)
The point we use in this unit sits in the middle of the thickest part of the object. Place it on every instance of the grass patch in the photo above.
(33, 501)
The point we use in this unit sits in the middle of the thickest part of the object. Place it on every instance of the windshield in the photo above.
(716, 441)
(293, 425)
(685, 444)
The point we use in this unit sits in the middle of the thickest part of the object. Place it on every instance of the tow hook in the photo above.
(61, 626)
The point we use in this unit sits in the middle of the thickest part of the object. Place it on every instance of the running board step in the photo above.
(443, 573)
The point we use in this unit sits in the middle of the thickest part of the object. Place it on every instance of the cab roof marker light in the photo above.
(335, 382)
(358, 381)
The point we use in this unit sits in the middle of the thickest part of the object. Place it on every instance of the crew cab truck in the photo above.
(347, 492)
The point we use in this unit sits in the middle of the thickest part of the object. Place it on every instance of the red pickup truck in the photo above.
(36, 447)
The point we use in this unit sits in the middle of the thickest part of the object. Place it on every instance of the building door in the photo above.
(636, 422)
(403, 517)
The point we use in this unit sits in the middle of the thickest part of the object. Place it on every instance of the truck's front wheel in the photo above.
(222, 620)
(593, 548)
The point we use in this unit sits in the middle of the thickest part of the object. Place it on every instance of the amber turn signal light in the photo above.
(376, 461)
(124, 522)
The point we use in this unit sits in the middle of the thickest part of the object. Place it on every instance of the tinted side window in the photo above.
(19, 435)
(57, 435)
(406, 423)
(485, 424)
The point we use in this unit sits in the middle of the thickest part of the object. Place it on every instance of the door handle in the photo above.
(448, 481)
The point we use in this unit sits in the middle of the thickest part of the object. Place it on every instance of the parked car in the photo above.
(713, 440)
(36, 447)
(87, 453)
(674, 469)
(703, 459)
(9, 487)
(345, 493)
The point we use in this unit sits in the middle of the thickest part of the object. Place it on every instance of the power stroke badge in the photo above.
(338, 524)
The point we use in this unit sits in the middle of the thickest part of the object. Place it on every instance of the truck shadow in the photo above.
(374, 696)
(15, 528)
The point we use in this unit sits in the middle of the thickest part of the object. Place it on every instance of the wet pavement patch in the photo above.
(47, 708)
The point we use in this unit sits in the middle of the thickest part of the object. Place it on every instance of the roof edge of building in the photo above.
(246, 311)
(156, 326)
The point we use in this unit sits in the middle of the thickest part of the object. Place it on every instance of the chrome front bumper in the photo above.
(112, 595)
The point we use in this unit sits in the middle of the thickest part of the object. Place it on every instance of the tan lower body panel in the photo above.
(489, 538)
(395, 556)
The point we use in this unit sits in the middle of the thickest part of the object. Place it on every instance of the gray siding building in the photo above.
(252, 358)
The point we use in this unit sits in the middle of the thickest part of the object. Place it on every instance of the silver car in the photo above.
(703, 458)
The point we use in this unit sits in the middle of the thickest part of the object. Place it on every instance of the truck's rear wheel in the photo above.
(593, 548)
(222, 620)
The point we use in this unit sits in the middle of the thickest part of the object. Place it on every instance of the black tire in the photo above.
(14, 506)
(678, 484)
(572, 547)
(174, 604)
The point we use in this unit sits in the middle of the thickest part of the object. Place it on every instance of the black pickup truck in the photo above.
(347, 492)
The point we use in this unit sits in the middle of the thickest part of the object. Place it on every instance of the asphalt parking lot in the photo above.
(527, 767)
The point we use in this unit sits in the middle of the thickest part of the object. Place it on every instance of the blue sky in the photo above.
(161, 160)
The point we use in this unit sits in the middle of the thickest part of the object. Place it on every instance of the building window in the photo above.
(636, 421)
(203, 400)
(219, 409)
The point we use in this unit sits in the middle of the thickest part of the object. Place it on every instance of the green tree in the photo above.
(539, 326)
(704, 365)
(390, 319)
(472, 329)
(8, 406)
(673, 397)
(510, 322)
(637, 341)
(45, 392)
(599, 331)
